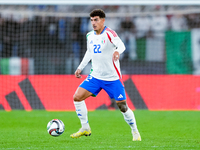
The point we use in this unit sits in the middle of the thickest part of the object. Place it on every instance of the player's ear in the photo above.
(103, 19)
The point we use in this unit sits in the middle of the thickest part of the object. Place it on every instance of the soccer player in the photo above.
(103, 49)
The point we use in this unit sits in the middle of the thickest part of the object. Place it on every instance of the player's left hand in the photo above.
(116, 56)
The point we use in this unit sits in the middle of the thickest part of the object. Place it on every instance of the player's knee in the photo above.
(77, 97)
(122, 106)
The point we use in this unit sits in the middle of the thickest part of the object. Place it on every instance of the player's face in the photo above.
(97, 24)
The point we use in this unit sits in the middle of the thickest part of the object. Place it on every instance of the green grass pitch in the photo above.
(175, 130)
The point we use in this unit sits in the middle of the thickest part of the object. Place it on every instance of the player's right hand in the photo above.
(78, 73)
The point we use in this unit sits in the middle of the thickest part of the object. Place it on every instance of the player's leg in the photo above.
(128, 114)
(116, 90)
(79, 102)
(129, 118)
(86, 89)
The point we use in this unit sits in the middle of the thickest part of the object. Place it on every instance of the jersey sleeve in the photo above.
(86, 59)
(114, 38)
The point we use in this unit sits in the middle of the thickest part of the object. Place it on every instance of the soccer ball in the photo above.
(55, 127)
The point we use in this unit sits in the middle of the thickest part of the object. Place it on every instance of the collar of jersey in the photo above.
(102, 31)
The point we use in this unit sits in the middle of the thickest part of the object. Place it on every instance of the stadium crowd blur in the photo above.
(53, 31)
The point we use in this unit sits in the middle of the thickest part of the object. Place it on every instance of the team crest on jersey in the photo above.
(103, 40)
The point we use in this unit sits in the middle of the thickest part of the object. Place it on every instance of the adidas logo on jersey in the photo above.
(91, 42)
(120, 96)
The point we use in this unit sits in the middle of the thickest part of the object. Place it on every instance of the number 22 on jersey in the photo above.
(97, 48)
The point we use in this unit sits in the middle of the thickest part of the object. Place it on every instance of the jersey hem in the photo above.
(113, 79)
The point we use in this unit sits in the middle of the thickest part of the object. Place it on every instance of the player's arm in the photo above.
(120, 47)
(84, 62)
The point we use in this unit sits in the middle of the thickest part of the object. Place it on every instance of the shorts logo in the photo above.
(120, 96)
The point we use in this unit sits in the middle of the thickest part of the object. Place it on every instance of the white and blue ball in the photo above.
(55, 127)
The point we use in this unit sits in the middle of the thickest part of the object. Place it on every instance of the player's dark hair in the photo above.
(98, 12)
